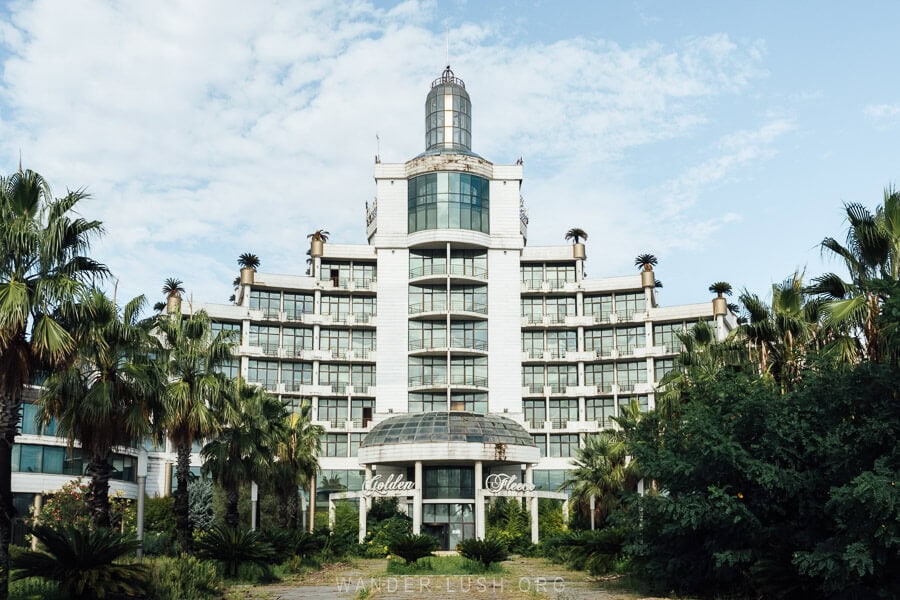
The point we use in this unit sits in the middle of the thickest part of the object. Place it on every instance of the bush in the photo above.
(34, 588)
(233, 547)
(379, 536)
(486, 551)
(308, 544)
(184, 577)
(200, 504)
(508, 522)
(157, 543)
(597, 552)
(412, 547)
(159, 514)
(282, 541)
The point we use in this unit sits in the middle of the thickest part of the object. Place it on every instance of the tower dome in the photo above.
(448, 115)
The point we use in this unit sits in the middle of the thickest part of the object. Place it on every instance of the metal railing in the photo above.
(468, 271)
(468, 306)
(468, 380)
(417, 381)
(421, 307)
(427, 270)
(463, 344)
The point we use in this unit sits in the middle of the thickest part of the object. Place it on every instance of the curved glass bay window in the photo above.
(449, 201)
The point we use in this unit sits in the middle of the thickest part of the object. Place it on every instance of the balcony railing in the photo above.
(418, 381)
(558, 423)
(337, 387)
(421, 307)
(427, 345)
(468, 271)
(295, 386)
(427, 270)
(363, 317)
(468, 380)
(464, 344)
(535, 423)
(535, 388)
(468, 306)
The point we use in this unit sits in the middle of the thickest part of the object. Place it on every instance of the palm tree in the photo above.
(173, 287)
(84, 563)
(319, 235)
(43, 268)
(646, 262)
(576, 235)
(248, 261)
(104, 398)
(602, 471)
(192, 359)
(721, 288)
(244, 449)
(871, 255)
(297, 451)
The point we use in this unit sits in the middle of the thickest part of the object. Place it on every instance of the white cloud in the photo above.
(883, 113)
(205, 129)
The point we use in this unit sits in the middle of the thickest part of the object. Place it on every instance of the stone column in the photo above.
(479, 502)
(363, 509)
(535, 531)
(38, 505)
(417, 500)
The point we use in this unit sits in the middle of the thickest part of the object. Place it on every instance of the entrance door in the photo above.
(439, 532)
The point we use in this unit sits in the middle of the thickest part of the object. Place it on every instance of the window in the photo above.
(666, 334)
(630, 373)
(628, 304)
(265, 338)
(558, 308)
(474, 403)
(599, 341)
(296, 305)
(535, 413)
(268, 302)
(420, 403)
(533, 378)
(355, 442)
(601, 375)
(358, 411)
(230, 368)
(29, 423)
(361, 377)
(334, 444)
(335, 376)
(230, 331)
(559, 342)
(540, 440)
(362, 308)
(563, 411)
(427, 298)
(296, 374)
(598, 306)
(296, 339)
(449, 482)
(448, 201)
(337, 340)
(468, 371)
(533, 343)
(425, 335)
(629, 338)
(532, 276)
(559, 377)
(427, 371)
(263, 372)
(470, 263)
(363, 274)
(549, 479)
(642, 400)
(662, 367)
(563, 445)
(427, 262)
(336, 272)
(601, 410)
(560, 274)
(333, 410)
(471, 298)
(533, 309)
(362, 341)
(469, 334)
(336, 306)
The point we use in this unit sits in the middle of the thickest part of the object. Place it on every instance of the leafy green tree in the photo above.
(870, 254)
(84, 562)
(297, 449)
(192, 358)
(104, 398)
(44, 266)
(249, 430)
(603, 472)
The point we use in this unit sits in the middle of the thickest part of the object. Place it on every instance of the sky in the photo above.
(722, 137)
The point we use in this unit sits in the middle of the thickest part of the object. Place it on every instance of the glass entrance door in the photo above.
(450, 523)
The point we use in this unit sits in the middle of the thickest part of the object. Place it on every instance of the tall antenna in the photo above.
(448, 46)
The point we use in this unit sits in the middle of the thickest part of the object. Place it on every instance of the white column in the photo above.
(363, 509)
(565, 508)
(593, 507)
(368, 477)
(331, 514)
(141, 492)
(479, 502)
(254, 502)
(417, 500)
(535, 531)
(38, 505)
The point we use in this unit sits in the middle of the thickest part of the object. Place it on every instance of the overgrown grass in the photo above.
(441, 565)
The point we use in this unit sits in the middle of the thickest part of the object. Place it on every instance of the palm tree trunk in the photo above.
(293, 513)
(9, 419)
(99, 470)
(183, 527)
(232, 517)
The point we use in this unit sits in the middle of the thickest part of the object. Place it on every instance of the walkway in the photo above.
(531, 578)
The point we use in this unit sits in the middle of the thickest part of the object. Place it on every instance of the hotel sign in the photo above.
(393, 485)
(502, 482)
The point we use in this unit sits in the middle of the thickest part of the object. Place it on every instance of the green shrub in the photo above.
(184, 577)
(379, 536)
(158, 543)
(34, 588)
(412, 547)
(283, 541)
(598, 551)
(159, 514)
(510, 523)
(233, 547)
(486, 551)
(308, 544)
(83, 562)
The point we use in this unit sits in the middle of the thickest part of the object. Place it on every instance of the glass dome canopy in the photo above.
(448, 115)
(448, 427)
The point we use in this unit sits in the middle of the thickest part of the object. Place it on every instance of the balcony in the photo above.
(533, 389)
(431, 382)
(439, 270)
(468, 271)
(418, 308)
(468, 306)
(464, 345)
(468, 380)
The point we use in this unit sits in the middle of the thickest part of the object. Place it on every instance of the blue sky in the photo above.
(721, 136)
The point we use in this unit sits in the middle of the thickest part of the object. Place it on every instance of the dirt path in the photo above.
(524, 578)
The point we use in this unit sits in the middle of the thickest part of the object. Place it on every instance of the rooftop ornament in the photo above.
(448, 77)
